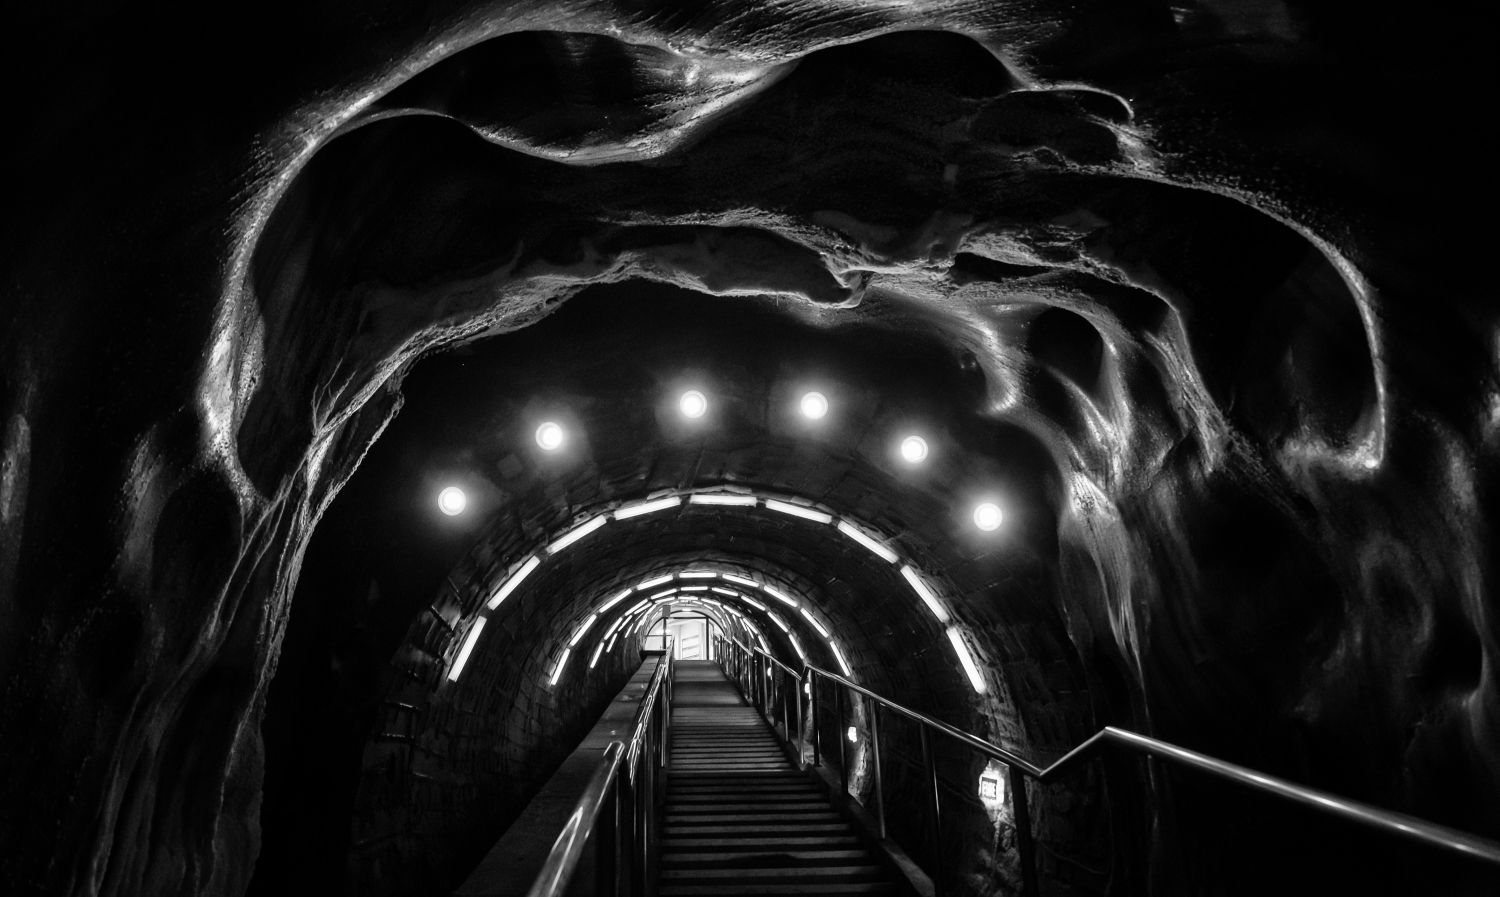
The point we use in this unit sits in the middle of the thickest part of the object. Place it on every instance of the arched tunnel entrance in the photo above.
(831, 545)
(1183, 301)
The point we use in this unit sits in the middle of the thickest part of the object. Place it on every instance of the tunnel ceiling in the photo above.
(1189, 286)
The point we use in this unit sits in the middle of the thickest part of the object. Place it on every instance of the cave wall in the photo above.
(221, 252)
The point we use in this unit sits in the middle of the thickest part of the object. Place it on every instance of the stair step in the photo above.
(767, 858)
(747, 807)
(677, 844)
(741, 819)
(753, 830)
(769, 797)
(748, 819)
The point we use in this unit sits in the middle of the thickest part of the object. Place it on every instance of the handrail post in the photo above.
(787, 695)
(875, 748)
(930, 762)
(838, 697)
(755, 685)
(1024, 845)
(801, 725)
(812, 708)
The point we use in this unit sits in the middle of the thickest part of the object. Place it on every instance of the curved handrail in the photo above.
(562, 861)
(568, 850)
(1400, 824)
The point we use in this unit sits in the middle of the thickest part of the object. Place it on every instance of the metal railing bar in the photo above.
(648, 734)
(567, 850)
(1391, 821)
(1369, 815)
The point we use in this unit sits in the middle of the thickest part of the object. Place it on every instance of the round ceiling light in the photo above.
(987, 516)
(693, 404)
(914, 450)
(550, 436)
(452, 501)
(814, 406)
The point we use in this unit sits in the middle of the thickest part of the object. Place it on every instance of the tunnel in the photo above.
(380, 382)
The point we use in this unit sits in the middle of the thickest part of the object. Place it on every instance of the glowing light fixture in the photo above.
(789, 602)
(721, 591)
(913, 449)
(613, 628)
(727, 499)
(647, 507)
(550, 436)
(917, 585)
(874, 547)
(693, 404)
(976, 679)
(780, 623)
(515, 580)
(452, 501)
(465, 650)
(800, 653)
(697, 574)
(660, 595)
(814, 405)
(741, 580)
(598, 649)
(987, 516)
(798, 511)
(695, 588)
(816, 625)
(753, 603)
(561, 662)
(578, 532)
(852, 735)
(582, 630)
(839, 656)
(653, 583)
(616, 600)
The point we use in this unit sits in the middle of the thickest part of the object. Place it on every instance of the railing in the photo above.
(616, 815)
(764, 681)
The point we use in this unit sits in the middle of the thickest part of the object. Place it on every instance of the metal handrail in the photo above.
(1400, 824)
(567, 851)
(607, 791)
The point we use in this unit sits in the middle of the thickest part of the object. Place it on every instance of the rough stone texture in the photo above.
(1212, 261)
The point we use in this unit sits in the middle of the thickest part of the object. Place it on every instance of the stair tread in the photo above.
(680, 844)
(740, 817)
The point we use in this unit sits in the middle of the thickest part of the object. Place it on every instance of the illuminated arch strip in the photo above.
(645, 620)
(855, 531)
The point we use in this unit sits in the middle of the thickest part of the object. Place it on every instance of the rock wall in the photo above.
(1212, 257)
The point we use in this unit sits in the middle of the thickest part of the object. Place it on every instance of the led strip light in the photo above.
(859, 534)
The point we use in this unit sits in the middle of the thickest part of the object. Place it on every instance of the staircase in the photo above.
(740, 819)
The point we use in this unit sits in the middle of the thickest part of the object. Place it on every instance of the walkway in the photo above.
(740, 819)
